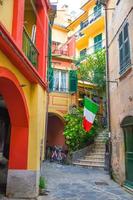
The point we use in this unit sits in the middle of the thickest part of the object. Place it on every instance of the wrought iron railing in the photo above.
(93, 17)
(29, 49)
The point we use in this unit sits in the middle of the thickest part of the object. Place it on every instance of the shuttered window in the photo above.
(49, 66)
(124, 49)
(50, 78)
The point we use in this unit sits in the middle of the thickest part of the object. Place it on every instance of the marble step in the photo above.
(94, 158)
(96, 154)
(98, 150)
(89, 165)
(90, 161)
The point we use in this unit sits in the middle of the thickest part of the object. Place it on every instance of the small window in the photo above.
(83, 53)
(124, 49)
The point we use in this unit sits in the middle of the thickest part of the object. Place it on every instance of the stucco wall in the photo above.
(6, 14)
(120, 95)
(36, 102)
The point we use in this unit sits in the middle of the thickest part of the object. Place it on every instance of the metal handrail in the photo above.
(30, 49)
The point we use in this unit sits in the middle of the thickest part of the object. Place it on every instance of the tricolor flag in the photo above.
(90, 110)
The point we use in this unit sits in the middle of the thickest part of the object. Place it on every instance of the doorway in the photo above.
(127, 125)
(4, 144)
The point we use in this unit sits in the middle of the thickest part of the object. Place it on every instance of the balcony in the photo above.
(60, 52)
(93, 17)
(29, 49)
(94, 22)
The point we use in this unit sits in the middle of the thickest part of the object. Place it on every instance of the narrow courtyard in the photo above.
(66, 182)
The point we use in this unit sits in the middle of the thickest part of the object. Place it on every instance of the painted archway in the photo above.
(14, 97)
(55, 130)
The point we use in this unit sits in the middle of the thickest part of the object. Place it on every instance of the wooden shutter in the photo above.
(121, 49)
(73, 81)
(50, 69)
(126, 45)
(124, 48)
(51, 78)
(98, 42)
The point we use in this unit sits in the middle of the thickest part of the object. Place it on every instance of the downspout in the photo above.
(108, 92)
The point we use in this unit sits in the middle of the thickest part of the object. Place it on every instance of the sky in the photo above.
(74, 5)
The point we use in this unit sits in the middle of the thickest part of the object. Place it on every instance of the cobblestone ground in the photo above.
(65, 182)
(78, 183)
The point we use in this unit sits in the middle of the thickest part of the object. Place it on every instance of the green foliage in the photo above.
(76, 136)
(93, 69)
(42, 183)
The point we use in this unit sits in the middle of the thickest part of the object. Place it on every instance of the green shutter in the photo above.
(49, 47)
(50, 78)
(124, 49)
(73, 81)
(98, 42)
(50, 69)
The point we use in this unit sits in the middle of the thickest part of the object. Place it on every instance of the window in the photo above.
(97, 11)
(83, 53)
(60, 81)
(124, 49)
(98, 42)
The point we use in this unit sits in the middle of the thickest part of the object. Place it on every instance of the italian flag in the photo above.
(90, 110)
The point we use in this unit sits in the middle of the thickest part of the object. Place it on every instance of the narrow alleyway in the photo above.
(78, 183)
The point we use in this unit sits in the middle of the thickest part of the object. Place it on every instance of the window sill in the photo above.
(63, 92)
(125, 73)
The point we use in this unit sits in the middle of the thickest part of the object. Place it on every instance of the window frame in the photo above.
(60, 71)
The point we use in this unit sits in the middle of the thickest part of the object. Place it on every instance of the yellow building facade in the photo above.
(23, 94)
(89, 28)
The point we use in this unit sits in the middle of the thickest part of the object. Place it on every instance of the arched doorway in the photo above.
(4, 143)
(127, 125)
(55, 130)
(16, 117)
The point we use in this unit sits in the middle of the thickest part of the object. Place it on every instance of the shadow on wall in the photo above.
(55, 131)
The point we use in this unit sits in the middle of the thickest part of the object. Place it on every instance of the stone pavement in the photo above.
(66, 182)
(78, 183)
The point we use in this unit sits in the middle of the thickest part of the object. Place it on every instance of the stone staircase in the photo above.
(95, 157)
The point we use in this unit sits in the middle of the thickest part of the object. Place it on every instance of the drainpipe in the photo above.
(108, 93)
